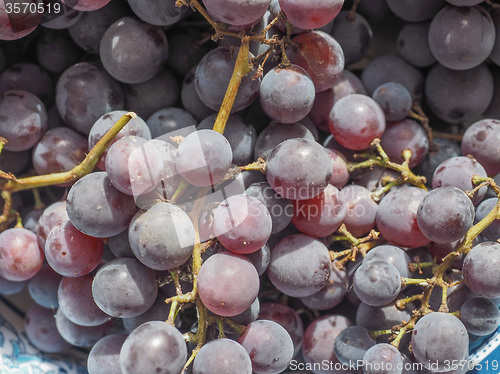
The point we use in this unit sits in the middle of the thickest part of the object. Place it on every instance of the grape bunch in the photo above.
(252, 186)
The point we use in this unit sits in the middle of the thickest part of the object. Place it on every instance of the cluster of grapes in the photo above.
(272, 212)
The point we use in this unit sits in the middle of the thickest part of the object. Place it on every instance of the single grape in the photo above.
(287, 94)
(286, 317)
(21, 256)
(461, 38)
(438, 338)
(445, 214)
(458, 172)
(480, 316)
(382, 359)
(191, 100)
(41, 330)
(322, 215)
(167, 122)
(158, 312)
(413, 44)
(340, 175)
(415, 10)
(269, 345)
(351, 344)
(289, 171)
(86, 5)
(153, 347)
(397, 217)
(162, 237)
(480, 140)
(43, 287)
(391, 254)
(480, 269)
(124, 288)
(158, 12)
(492, 232)
(260, 259)
(51, 216)
(394, 99)
(311, 15)
(104, 357)
(221, 280)
(320, 55)
(80, 336)
(361, 210)
(377, 282)
(238, 13)
(203, 158)
(8, 287)
(300, 265)
(24, 119)
(382, 317)
(222, 356)
(356, 120)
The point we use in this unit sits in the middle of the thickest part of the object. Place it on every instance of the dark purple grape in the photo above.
(86, 5)
(287, 94)
(413, 44)
(445, 214)
(124, 288)
(212, 78)
(415, 10)
(382, 359)
(221, 280)
(351, 345)
(492, 232)
(56, 52)
(158, 12)
(300, 265)
(191, 100)
(354, 35)
(397, 217)
(480, 316)
(475, 86)
(104, 357)
(24, 119)
(8, 287)
(377, 282)
(153, 347)
(80, 336)
(90, 28)
(77, 304)
(161, 91)
(41, 330)
(461, 38)
(394, 99)
(480, 269)
(14, 162)
(290, 171)
(85, 92)
(311, 15)
(481, 141)
(392, 68)
(43, 287)
(438, 338)
(51, 216)
(222, 356)
(60, 149)
(28, 77)
(133, 59)
(269, 345)
(97, 208)
(167, 121)
(158, 312)
(391, 254)
(260, 259)
(162, 237)
(382, 317)
(239, 12)
(458, 172)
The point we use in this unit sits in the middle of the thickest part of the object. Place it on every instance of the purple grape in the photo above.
(81, 336)
(415, 10)
(191, 100)
(377, 282)
(41, 330)
(24, 119)
(458, 172)
(269, 345)
(98, 209)
(397, 217)
(153, 347)
(104, 357)
(43, 287)
(351, 344)
(480, 269)
(289, 171)
(287, 94)
(382, 359)
(86, 5)
(394, 99)
(391, 254)
(162, 237)
(220, 281)
(237, 13)
(492, 232)
(158, 12)
(480, 316)
(445, 214)
(166, 122)
(8, 287)
(124, 288)
(300, 265)
(260, 259)
(340, 175)
(310, 15)
(203, 158)
(222, 356)
(480, 140)
(413, 44)
(382, 317)
(461, 38)
(85, 92)
(51, 216)
(438, 338)
(158, 312)
(361, 210)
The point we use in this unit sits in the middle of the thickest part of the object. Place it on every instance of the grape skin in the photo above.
(43, 287)
(480, 316)
(361, 210)
(237, 13)
(481, 141)
(311, 15)
(222, 356)
(391, 254)
(492, 232)
(351, 345)
(377, 282)
(438, 338)
(104, 357)
(480, 269)
(41, 330)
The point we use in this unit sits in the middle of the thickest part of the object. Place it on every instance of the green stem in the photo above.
(377, 333)
(408, 281)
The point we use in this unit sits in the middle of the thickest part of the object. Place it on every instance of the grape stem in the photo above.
(241, 69)
(382, 160)
(408, 281)
(259, 165)
(419, 115)
(85, 167)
